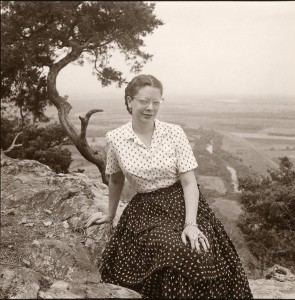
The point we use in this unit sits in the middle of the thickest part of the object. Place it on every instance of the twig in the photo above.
(7, 264)
(13, 145)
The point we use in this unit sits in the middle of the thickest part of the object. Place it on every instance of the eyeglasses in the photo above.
(146, 102)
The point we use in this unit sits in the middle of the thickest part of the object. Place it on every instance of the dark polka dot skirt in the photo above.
(146, 253)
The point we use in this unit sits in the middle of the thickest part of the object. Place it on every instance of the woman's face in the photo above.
(145, 112)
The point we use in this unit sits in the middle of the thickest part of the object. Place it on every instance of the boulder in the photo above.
(65, 290)
(20, 283)
(64, 260)
(279, 273)
(23, 283)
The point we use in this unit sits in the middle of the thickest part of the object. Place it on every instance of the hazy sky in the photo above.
(210, 48)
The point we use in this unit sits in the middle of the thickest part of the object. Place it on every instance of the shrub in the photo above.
(268, 220)
(43, 144)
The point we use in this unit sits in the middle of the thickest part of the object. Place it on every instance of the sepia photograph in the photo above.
(147, 149)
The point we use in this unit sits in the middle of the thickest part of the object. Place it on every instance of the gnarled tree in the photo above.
(40, 38)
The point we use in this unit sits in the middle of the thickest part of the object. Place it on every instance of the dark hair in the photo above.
(137, 83)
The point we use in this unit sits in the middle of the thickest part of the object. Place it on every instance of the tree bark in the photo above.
(23, 124)
(63, 108)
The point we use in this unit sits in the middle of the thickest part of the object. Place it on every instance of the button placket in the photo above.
(154, 163)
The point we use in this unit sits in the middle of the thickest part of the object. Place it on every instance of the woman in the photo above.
(168, 242)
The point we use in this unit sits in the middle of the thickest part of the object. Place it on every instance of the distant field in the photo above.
(96, 141)
(251, 155)
(280, 131)
(275, 148)
(232, 122)
(212, 183)
(273, 117)
(263, 136)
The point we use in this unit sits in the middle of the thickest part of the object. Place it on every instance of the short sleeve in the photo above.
(112, 165)
(186, 160)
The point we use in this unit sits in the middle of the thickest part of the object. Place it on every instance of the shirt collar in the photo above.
(129, 133)
(159, 130)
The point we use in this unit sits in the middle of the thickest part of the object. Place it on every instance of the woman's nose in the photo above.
(150, 106)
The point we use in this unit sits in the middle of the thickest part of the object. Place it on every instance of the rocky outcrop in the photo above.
(272, 289)
(279, 283)
(23, 283)
(45, 250)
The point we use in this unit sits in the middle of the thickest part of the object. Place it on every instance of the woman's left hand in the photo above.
(98, 218)
(196, 238)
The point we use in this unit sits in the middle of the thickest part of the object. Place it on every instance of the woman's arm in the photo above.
(116, 183)
(191, 199)
(191, 195)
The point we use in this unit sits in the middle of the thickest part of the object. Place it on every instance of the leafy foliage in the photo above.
(43, 144)
(40, 38)
(268, 220)
(58, 160)
(37, 34)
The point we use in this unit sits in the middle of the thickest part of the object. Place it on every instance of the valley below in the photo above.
(245, 136)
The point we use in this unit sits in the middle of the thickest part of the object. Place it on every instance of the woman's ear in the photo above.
(129, 100)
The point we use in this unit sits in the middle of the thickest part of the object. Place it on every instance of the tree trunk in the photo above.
(63, 108)
(262, 266)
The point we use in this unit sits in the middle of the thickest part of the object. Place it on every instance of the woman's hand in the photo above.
(196, 238)
(98, 218)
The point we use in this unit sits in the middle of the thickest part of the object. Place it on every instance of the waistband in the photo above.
(177, 184)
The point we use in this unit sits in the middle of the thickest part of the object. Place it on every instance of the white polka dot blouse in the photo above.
(149, 168)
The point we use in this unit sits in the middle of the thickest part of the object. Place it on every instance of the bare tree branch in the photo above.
(85, 121)
(13, 145)
(95, 63)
